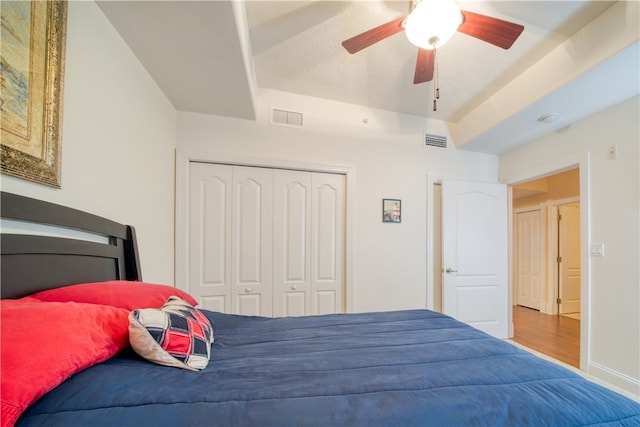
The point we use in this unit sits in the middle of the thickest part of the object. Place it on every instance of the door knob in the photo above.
(247, 290)
(294, 287)
(449, 270)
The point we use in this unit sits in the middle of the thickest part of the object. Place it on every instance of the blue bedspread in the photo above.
(381, 369)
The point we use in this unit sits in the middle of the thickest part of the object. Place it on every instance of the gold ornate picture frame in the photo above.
(32, 55)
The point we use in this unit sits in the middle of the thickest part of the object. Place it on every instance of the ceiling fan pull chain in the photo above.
(436, 89)
(437, 82)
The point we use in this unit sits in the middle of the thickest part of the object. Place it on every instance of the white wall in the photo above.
(388, 160)
(614, 201)
(118, 140)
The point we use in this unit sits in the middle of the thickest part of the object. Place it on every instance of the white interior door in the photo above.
(569, 250)
(327, 249)
(209, 238)
(267, 242)
(292, 243)
(475, 255)
(529, 258)
(308, 243)
(252, 241)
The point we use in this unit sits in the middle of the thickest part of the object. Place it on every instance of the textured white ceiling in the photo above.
(297, 48)
(212, 56)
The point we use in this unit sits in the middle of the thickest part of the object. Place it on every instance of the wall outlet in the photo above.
(597, 249)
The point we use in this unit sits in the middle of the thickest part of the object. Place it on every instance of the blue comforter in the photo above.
(378, 369)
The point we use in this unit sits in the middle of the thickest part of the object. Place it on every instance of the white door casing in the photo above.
(552, 165)
(475, 254)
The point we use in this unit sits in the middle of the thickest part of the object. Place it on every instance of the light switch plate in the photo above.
(597, 249)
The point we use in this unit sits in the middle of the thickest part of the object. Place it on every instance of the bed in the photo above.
(402, 368)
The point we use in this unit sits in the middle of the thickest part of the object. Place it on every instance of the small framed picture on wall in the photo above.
(391, 210)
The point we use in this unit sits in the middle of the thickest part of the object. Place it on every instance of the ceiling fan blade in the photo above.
(491, 30)
(374, 35)
(424, 66)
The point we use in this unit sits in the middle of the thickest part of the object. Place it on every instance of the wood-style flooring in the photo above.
(555, 336)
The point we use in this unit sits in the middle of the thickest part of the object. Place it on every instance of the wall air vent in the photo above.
(286, 118)
(435, 140)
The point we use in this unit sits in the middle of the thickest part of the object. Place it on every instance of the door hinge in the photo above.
(559, 259)
(559, 301)
(559, 217)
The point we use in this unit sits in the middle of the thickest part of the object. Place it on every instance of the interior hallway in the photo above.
(553, 335)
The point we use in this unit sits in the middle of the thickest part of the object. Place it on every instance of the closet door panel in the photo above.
(295, 303)
(327, 220)
(250, 304)
(209, 238)
(327, 302)
(266, 242)
(252, 240)
(292, 234)
(216, 303)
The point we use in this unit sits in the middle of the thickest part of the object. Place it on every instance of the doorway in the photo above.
(546, 272)
(578, 191)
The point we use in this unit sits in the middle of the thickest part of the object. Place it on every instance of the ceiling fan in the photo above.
(430, 24)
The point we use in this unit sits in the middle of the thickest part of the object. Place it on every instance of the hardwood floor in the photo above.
(555, 336)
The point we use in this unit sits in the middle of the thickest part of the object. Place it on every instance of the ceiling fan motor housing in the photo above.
(432, 23)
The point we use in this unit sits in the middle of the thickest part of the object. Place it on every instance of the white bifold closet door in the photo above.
(264, 241)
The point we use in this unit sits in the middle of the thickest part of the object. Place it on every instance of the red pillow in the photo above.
(67, 336)
(117, 293)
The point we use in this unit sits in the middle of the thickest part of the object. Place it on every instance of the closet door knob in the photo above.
(294, 287)
(247, 290)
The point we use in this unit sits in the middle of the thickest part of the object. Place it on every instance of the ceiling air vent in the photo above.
(286, 118)
(435, 140)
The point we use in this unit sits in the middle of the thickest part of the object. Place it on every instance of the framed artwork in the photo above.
(391, 210)
(32, 63)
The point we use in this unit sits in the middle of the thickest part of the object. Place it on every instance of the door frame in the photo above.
(550, 167)
(549, 288)
(185, 156)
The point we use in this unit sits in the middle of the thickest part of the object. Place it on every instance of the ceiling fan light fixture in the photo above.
(432, 23)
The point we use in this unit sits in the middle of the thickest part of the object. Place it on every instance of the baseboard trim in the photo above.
(599, 374)
(617, 379)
